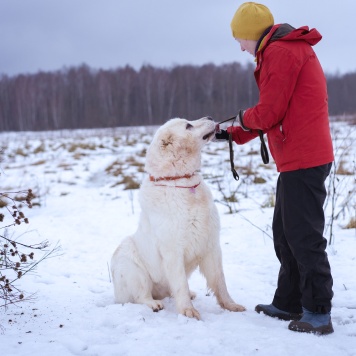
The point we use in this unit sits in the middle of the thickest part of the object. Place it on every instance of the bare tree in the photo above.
(81, 97)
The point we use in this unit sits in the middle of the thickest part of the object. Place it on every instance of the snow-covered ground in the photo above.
(79, 178)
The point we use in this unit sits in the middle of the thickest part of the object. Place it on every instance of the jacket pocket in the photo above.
(276, 138)
(283, 134)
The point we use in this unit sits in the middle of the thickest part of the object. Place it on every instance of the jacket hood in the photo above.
(285, 32)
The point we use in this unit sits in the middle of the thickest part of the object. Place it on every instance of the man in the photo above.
(293, 111)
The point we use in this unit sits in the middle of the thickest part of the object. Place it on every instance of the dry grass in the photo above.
(66, 166)
(3, 203)
(142, 153)
(115, 168)
(342, 170)
(351, 224)
(20, 152)
(128, 182)
(83, 146)
(40, 149)
(38, 163)
(259, 180)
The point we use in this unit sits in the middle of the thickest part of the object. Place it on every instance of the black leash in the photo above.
(232, 165)
(263, 150)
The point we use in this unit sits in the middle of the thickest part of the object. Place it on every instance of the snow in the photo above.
(87, 212)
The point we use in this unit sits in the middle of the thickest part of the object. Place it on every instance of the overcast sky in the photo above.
(52, 34)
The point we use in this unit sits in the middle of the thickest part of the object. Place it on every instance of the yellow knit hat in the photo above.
(250, 21)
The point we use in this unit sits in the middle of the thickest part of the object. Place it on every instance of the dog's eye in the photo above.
(189, 126)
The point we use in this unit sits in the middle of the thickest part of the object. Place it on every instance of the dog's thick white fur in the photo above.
(178, 229)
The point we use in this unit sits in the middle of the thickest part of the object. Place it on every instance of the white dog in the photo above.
(178, 228)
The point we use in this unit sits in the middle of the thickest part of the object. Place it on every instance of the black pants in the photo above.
(298, 223)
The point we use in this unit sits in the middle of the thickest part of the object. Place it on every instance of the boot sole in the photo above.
(308, 328)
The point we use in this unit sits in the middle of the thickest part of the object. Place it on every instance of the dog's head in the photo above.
(176, 147)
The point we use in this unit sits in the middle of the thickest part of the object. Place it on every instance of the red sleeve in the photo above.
(277, 79)
(240, 136)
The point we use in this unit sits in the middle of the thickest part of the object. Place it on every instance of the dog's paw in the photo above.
(191, 313)
(155, 305)
(234, 307)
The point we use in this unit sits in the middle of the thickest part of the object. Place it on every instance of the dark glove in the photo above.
(222, 135)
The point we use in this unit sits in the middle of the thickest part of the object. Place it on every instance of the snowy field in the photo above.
(84, 202)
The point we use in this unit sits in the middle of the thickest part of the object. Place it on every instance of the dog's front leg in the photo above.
(178, 283)
(211, 268)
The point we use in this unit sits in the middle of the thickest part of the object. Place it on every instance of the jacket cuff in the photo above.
(241, 122)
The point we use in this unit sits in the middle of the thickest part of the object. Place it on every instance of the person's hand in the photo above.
(221, 135)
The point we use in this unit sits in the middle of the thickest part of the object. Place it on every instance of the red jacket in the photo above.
(293, 104)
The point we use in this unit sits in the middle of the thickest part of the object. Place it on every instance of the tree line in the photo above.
(81, 97)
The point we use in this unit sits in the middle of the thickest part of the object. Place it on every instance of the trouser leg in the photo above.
(288, 295)
(298, 227)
